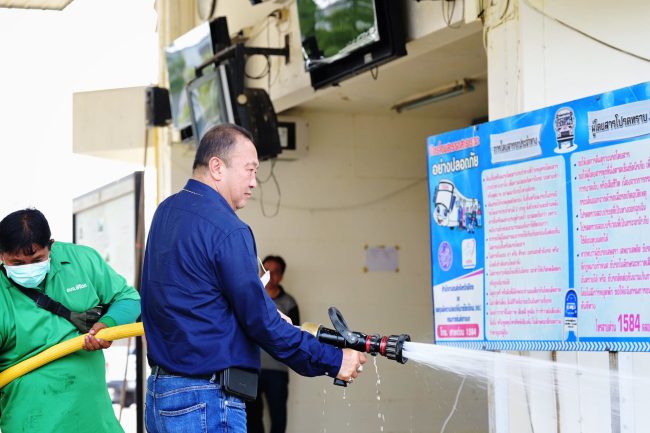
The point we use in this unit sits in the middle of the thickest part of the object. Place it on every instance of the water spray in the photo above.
(389, 346)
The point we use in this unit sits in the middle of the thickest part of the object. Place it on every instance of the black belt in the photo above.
(235, 381)
(157, 370)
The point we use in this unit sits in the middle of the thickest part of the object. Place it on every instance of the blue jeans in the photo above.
(178, 404)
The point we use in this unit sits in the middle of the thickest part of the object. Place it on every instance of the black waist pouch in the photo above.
(239, 382)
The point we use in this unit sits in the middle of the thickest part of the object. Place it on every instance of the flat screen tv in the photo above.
(209, 101)
(342, 38)
(186, 53)
(183, 56)
(212, 103)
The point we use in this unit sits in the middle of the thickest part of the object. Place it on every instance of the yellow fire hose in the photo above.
(65, 348)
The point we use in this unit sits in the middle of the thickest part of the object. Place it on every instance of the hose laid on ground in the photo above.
(65, 348)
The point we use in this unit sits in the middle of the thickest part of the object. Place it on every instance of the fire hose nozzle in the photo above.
(389, 346)
(394, 347)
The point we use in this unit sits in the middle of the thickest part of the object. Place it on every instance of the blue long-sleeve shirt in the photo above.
(203, 306)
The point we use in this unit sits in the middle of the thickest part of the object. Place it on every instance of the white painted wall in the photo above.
(363, 182)
(533, 62)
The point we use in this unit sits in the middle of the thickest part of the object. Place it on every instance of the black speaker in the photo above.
(159, 112)
(256, 114)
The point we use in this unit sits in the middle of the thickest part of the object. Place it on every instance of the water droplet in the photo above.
(378, 397)
(378, 415)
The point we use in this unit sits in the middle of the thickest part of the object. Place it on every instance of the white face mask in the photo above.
(267, 275)
(30, 275)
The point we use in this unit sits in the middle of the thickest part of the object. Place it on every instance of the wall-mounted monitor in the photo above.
(209, 101)
(183, 56)
(218, 95)
(186, 53)
(342, 38)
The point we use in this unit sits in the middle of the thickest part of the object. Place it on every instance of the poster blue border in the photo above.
(472, 160)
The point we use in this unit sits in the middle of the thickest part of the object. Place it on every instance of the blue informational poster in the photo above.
(540, 228)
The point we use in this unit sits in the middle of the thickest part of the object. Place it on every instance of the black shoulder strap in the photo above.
(41, 299)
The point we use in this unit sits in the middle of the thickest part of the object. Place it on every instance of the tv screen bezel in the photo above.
(220, 75)
(391, 45)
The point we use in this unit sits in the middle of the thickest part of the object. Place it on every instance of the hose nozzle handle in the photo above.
(341, 326)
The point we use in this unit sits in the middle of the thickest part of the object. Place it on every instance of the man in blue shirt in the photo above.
(204, 308)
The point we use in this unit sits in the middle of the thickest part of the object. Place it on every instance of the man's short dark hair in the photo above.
(20, 230)
(277, 259)
(219, 141)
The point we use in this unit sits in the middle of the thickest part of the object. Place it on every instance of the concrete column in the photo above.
(540, 53)
(174, 19)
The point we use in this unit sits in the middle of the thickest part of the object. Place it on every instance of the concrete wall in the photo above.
(534, 61)
(363, 182)
(339, 198)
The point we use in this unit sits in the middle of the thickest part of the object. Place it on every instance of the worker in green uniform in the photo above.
(69, 394)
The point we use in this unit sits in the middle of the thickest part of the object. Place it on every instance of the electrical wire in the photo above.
(277, 15)
(585, 34)
(281, 33)
(213, 6)
(481, 12)
(273, 161)
(356, 205)
(504, 17)
(264, 73)
(448, 15)
(374, 73)
(505, 10)
(268, 44)
(261, 183)
(277, 206)
(265, 24)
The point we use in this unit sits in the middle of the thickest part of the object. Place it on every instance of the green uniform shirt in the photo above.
(69, 394)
